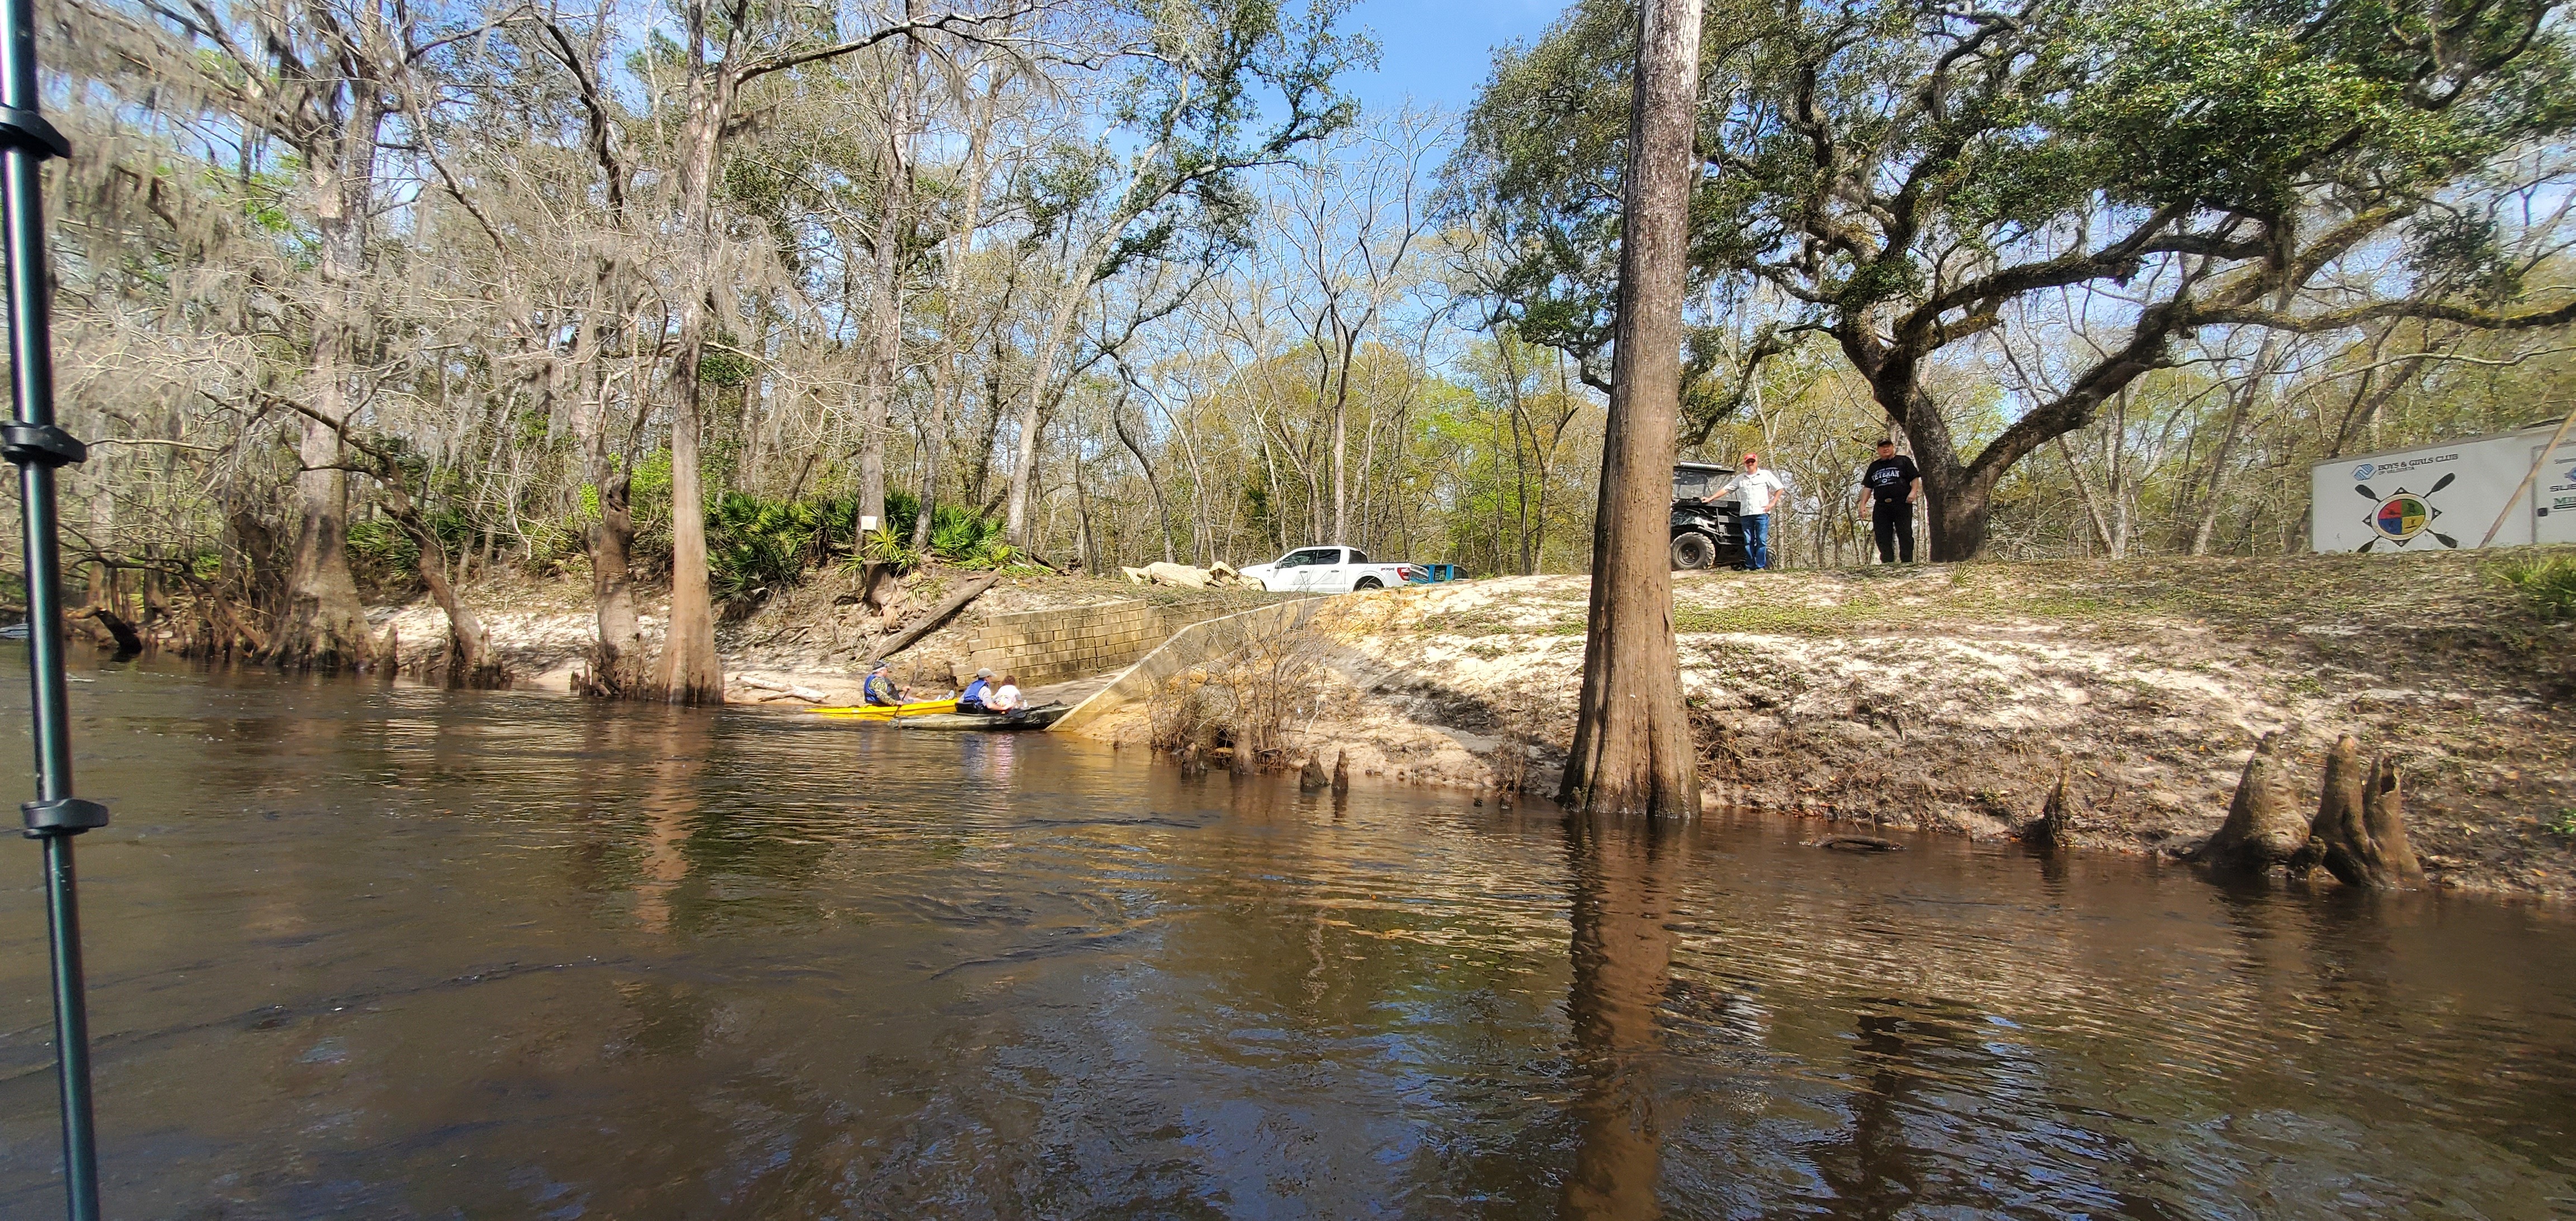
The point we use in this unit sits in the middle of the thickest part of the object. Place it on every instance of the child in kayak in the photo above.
(1005, 695)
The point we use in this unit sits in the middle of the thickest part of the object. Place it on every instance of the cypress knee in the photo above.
(2261, 829)
(2383, 816)
(1312, 775)
(1342, 772)
(2055, 826)
(2359, 834)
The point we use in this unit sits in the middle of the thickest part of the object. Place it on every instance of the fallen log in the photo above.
(786, 690)
(1857, 843)
(930, 621)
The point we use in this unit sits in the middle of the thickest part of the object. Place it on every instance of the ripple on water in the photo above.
(396, 952)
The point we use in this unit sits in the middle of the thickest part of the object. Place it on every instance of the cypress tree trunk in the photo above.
(616, 661)
(1632, 745)
(325, 625)
(690, 672)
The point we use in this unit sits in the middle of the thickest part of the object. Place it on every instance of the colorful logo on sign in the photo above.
(2401, 517)
(2364, 471)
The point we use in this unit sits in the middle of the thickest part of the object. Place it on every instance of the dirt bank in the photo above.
(817, 636)
(1938, 697)
(1948, 697)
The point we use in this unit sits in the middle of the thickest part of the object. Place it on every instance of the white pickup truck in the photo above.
(1327, 570)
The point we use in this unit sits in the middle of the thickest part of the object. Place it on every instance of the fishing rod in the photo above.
(37, 447)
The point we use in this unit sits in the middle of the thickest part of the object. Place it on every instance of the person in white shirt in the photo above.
(1758, 492)
(1004, 695)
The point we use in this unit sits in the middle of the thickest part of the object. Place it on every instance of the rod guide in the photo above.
(62, 816)
(20, 128)
(42, 444)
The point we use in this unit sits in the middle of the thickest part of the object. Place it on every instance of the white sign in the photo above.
(2444, 497)
(867, 524)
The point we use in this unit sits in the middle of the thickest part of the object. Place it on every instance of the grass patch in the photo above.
(2547, 585)
(1470, 623)
(1771, 620)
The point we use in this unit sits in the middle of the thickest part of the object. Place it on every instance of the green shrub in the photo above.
(902, 509)
(967, 539)
(2548, 585)
(958, 536)
(756, 546)
(887, 546)
(556, 546)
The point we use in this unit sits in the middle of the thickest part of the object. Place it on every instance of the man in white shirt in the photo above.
(1758, 492)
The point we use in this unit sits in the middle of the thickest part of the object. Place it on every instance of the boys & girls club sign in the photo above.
(2446, 497)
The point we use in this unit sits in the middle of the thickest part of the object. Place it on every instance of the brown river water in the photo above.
(367, 951)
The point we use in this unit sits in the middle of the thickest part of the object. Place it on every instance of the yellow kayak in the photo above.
(883, 712)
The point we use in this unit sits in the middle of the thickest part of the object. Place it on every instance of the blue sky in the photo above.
(1437, 51)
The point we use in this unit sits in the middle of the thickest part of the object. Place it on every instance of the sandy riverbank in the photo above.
(1948, 697)
(1934, 697)
(817, 637)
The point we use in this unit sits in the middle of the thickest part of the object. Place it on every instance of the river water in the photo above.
(393, 952)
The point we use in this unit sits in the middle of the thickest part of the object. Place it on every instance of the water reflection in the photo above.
(388, 952)
(668, 808)
(1622, 957)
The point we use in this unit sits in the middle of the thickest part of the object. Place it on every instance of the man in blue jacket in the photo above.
(879, 690)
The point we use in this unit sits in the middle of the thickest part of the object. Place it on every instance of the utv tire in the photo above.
(1694, 551)
(1368, 583)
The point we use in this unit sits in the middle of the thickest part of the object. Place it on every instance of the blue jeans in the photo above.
(1757, 541)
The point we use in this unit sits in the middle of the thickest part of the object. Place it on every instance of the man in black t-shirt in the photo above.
(1891, 484)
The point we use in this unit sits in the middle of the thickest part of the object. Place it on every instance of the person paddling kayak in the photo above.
(972, 698)
(880, 690)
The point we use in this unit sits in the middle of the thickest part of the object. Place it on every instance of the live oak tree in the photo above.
(1896, 176)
